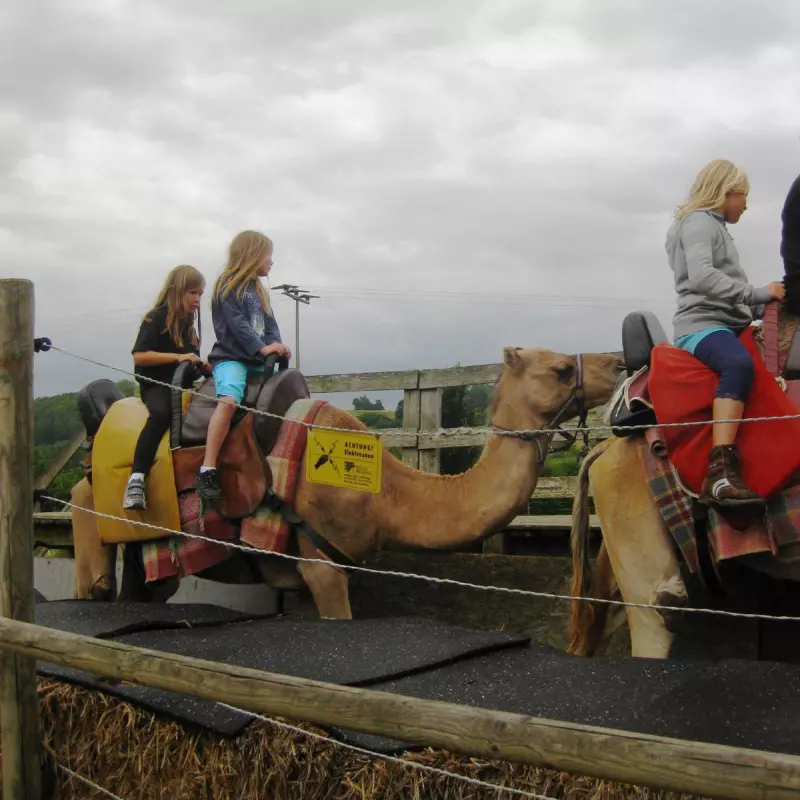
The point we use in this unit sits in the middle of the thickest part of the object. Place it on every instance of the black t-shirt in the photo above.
(153, 336)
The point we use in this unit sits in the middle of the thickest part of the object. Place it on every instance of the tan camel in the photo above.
(414, 509)
(636, 562)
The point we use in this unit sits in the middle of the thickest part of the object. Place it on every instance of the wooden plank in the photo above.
(400, 437)
(533, 522)
(52, 518)
(430, 418)
(685, 766)
(60, 460)
(411, 417)
(363, 381)
(459, 376)
(19, 709)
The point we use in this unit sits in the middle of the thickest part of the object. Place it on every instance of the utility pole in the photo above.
(299, 296)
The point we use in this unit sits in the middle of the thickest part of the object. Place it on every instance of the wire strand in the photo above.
(429, 578)
(442, 432)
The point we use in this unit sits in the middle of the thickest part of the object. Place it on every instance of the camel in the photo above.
(414, 509)
(636, 562)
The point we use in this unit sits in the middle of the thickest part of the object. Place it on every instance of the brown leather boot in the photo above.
(723, 485)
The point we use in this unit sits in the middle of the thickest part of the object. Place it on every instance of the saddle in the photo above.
(113, 429)
(641, 332)
(631, 406)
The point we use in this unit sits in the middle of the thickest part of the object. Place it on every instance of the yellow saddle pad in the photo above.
(112, 458)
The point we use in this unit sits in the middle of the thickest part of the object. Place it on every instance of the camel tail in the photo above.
(585, 618)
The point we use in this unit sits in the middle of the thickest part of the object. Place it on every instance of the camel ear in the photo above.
(512, 359)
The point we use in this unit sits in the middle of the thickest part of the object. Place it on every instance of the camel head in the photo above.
(536, 384)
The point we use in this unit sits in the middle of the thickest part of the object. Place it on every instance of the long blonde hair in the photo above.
(712, 184)
(180, 280)
(246, 253)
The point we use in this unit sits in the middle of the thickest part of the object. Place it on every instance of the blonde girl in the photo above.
(246, 333)
(715, 304)
(168, 335)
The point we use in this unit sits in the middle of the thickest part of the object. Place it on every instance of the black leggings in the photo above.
(158, 400)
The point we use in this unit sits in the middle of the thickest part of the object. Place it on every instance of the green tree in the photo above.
(363, 403)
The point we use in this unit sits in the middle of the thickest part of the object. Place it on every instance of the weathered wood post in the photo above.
(19, 712)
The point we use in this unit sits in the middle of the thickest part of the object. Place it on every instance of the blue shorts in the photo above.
(230, 378)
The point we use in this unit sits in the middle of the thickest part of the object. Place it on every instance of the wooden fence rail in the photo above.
(671, 764)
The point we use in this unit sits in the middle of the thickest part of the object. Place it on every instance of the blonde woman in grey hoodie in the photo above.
(715, 304)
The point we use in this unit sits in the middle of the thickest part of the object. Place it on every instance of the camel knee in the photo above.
(671, 593)
(329, 587)
(650, 637)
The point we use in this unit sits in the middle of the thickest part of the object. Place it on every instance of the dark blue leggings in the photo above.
(722, 352)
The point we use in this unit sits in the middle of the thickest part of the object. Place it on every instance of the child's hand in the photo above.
(777, 290)
(276, 348)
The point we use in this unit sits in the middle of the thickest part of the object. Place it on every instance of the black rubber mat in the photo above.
(355, 652)
(740, 703)
(746, 704)
(108, 620)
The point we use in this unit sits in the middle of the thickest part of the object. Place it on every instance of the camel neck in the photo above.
(448, 511)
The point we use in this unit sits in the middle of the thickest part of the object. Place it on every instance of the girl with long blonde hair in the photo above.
(716, 303)
(169, 334)
(246, 333)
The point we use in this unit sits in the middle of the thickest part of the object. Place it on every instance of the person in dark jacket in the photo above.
(790, 247)
(168, 335)
(246, 333)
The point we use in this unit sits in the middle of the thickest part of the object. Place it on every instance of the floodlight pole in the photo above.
(299, 296)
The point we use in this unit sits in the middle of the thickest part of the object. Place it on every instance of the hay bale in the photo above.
(136, 755)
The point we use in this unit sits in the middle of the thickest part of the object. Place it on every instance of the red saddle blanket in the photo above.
(682, 390)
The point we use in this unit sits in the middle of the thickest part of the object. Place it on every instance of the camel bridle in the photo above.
(543, 437)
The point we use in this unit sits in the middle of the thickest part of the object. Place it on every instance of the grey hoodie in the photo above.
(712, 287)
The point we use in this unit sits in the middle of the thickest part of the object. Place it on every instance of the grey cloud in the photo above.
(463, 146)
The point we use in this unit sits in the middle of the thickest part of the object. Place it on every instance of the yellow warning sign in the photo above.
(347, 460)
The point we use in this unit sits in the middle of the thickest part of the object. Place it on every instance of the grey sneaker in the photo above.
(135, 496)
(208, 485)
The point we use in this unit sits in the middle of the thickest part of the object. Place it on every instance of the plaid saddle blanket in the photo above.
(777, 527)
(264, 529)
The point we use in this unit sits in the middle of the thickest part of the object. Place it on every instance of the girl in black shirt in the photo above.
(167, 336)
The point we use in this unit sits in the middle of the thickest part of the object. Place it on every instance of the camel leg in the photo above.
(95, 563)
(328, 586)
(638, 546)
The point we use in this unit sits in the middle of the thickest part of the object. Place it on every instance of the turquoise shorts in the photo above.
(690, 341)
(230, 378)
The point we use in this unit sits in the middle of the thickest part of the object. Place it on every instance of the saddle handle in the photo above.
(269, 365)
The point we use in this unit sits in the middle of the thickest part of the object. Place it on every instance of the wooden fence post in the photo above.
(19, 711)
(430, 418)
(411, 420)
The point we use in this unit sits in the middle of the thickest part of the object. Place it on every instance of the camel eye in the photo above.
(565, 372)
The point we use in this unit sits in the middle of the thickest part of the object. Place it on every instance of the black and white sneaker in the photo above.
(135, 499)
(208, 485)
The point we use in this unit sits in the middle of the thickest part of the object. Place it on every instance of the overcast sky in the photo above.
(450, 177)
